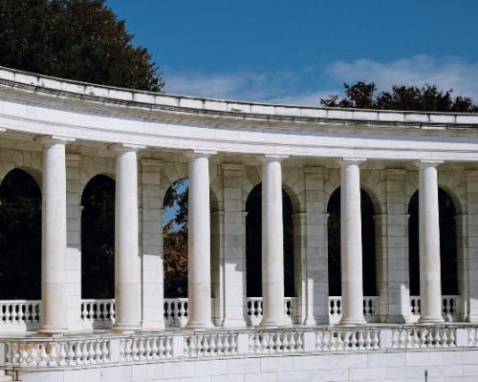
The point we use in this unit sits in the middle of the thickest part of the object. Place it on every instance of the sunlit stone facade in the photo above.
(64, 133)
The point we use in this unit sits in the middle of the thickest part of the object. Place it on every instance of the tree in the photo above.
(76, 39)
(361, 95)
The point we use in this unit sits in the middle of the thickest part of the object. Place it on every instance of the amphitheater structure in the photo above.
(64, 133)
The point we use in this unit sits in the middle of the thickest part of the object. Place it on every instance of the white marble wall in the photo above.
(151, 244)
(399, 366)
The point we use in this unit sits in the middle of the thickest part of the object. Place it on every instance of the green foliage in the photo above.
(362, 95)
(76, 39)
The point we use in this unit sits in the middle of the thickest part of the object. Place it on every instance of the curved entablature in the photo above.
(40, 105)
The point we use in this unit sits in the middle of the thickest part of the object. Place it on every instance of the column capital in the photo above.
(345, 161)
(426, 163)
(268, 158)
(125, 147)
(50, 140)
(196, 154)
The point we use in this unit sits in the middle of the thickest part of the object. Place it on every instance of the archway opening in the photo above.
(20, 237)
(448, 244)
(175, 240)
(98, 239)
(368, 245)
(254, 243)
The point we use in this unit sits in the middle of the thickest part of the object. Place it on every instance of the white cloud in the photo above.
(446, 73)
(303, 87)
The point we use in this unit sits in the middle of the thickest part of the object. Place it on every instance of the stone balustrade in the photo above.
(370, 308)
(64, 352)
(176, 312)
(254, 309)
(450, 307)
(347, 340)
(20, 311)
(144, 348)
(276, 341)
(216, 344)
(98, 310)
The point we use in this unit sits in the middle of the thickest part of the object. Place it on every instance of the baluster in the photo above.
(437, 339)
(327, 336)
(104, 351)
(53, 355)
(292, 343)
(257, 344)
(368, 340)
(285, 341)
(265, 343)
(340, 341)
(141, 348)
(318, 340)
(205, 346)
(33, 356)
(354, 340)
(23, 355)
(134, 349)
(233, 345)
(395, 339)
(375, 340)
(220, 348)
(169, 348)
(9, 352)
(346, 340)
(444, 339)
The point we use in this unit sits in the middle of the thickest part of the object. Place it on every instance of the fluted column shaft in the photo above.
(54, 285)
(351, 244)
(429, 238)
(199, 242)
(272, 243)
(127, 261)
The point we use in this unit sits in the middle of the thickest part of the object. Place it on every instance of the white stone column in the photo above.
(429, 238)
(351, 243)
(272, 243)
(199, 242)
(54, 284)
(127, 261)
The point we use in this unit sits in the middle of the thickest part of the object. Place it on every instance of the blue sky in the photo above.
(298, 51)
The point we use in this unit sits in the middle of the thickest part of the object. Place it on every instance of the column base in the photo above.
(51, 332)
(199, 325)
(352, 321)
(273, 323)
(430, 320)
(472, 319)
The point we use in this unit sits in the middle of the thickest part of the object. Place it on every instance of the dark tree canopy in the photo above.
(362, 95)
(76, 39)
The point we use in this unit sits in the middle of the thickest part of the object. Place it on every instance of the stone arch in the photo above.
(175, 240)
(98, 238)
(368, 244)
(91, 167)
(20, 236)
(448, 244)
(254, 244)
(28, 161)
